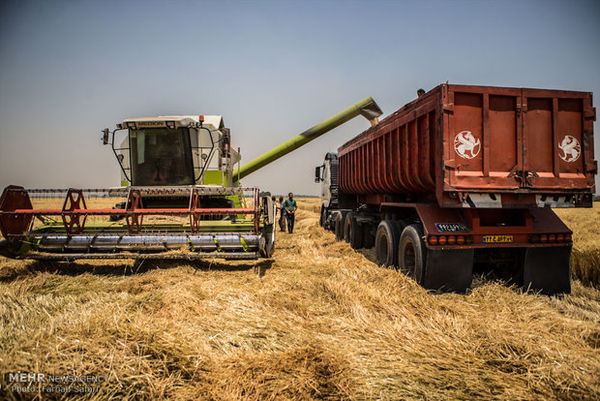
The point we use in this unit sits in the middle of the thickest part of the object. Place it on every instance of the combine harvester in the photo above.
(464, 178)
(180, 197)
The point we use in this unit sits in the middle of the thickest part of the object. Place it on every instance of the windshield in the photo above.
(161, 156)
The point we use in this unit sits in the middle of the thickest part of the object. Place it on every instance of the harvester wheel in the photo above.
(386, 243)
(266, 245)
(339, 226)
(9, 249)
(548, 270)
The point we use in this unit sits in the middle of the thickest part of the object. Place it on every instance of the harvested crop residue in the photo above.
(320, 321)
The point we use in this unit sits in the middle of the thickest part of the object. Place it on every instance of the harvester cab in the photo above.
(174, 151)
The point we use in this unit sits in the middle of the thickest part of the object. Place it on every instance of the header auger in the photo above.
(179, 197)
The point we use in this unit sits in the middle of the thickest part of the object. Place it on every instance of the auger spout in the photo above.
(366, 108)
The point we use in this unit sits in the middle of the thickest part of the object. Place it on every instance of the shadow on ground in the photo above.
(124, 268)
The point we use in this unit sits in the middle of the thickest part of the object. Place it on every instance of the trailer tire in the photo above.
(323, 217)
(412, 253)
(353, 231)
(441, 270)
(386, 243)
(339, 226)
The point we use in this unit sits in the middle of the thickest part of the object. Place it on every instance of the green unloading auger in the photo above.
(366, 108)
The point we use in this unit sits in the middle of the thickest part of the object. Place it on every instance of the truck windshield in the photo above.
(161, 156)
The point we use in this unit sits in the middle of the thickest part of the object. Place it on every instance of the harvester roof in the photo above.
(210, 121)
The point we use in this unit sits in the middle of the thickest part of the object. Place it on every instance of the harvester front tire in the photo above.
(386, 243)
(266, 245)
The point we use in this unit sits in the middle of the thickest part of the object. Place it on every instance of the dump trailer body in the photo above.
(463, 178)
(478, 146)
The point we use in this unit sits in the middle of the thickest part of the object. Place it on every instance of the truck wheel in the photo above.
(368, 237)
(548, 270)
(412, 254)
(353, 231)
(443, 270)
(339, 226)
(386, 243)
(347, 226)
(323, 216)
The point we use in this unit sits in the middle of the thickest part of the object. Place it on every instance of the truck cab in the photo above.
(327, 174)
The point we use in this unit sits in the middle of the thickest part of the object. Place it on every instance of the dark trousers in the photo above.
(290, 221)
(282, 219)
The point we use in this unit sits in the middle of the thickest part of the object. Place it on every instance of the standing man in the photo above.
(290, 207)
(282, 217)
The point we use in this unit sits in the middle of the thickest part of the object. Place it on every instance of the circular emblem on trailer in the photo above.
(570, 149)
(466, 145)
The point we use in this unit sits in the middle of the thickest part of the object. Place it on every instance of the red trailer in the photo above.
(465, 177)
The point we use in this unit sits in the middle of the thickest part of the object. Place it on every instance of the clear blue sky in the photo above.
(272, 69)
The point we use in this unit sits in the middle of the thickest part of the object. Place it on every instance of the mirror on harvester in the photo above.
(105, 133)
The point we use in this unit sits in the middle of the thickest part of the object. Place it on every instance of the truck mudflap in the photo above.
(437, 275)
(547, 270)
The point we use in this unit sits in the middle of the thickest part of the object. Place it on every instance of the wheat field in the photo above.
(585, 258)
(319, 321)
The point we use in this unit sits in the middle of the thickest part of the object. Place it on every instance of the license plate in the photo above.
(495, 239)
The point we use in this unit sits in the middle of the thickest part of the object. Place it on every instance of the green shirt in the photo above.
(290, 205)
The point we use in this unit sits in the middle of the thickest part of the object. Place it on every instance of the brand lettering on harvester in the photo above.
(151, 124)
(570, 147)
(466, 145)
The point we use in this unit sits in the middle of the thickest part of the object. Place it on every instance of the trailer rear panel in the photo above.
(478, 146)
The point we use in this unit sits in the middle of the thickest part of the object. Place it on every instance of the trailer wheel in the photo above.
(386, 243)
(548, 270)
(323, 216)
(412, 253)
(353, 231)
(339, 226)
(442, 270)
